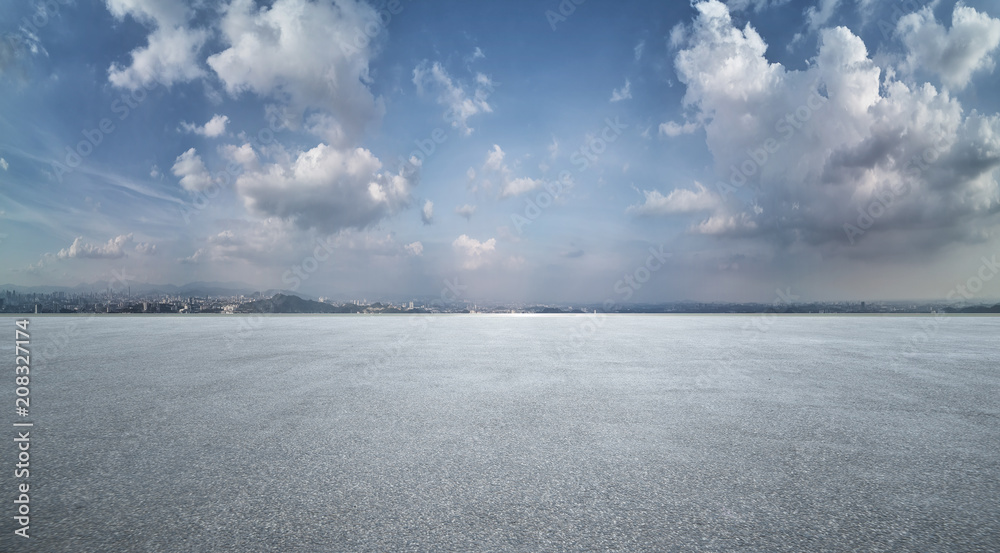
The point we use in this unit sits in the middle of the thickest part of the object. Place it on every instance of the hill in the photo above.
(287, 303)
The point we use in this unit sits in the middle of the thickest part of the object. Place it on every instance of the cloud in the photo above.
(197, 257)
(678, 201)
(955, 54)
(639, 49)
(673, 129)
(115, 248)
(719, 225)
(326, 188)
(427, 213)
(3, 164)
(817, 16)
(678, 37)
(465, 211)
(372, 244)
(192, 172)
(509, 186)
(494, 159)
(257, 242)
(820, 145)
(414, 249)
(521, 185)
(15, 46)
(171, 53)
(459, 105)
(145, 248)
(306, 56)
(277, 243)
(515, 262)
(214, 127)
(757, 5)
(244, 155)
(473, 253)
(623, 93)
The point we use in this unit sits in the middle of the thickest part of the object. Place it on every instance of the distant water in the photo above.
(509, 433)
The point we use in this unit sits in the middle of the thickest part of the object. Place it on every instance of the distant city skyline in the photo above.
(204, 300)
(552, 152)
(452, 298)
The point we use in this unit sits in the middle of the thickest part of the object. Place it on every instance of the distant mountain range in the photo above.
(975, 309)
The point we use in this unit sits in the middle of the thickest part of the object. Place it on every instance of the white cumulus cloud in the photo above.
(494, 158)
(171, 53)
(306, 56)
(244, 155)
(114, 248)
(326, 188)
(427, 213)
(678, 201)
(216, 126)
(953, 54)
(718, 225)
(816, 147)
(473, 253)
(465, 211)
(192, 172)
(520, 185)
(673, 129)
(414, 248)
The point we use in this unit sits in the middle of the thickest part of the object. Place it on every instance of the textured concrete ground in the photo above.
(486, 433)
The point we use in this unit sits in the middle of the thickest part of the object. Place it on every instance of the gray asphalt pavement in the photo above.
(466, 433)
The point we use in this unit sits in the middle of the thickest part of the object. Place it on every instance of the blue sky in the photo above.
(531, 151)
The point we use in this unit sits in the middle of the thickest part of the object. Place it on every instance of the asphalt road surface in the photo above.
(488, 433)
